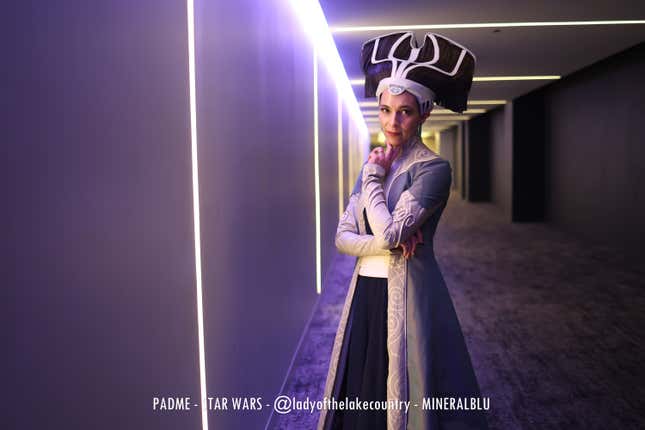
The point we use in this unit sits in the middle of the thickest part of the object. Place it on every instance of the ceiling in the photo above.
(500, 51)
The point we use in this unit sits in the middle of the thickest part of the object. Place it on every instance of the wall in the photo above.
(256, 131)
(100, 244)
(595, 153)
(529, 158)
(458, 174)
(448, 151)
(501, 125)
(99, 249)
(478, 159)
(570, 153)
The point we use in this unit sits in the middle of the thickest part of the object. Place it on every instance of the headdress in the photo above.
(440, 71)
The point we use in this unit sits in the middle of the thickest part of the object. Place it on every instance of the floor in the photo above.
(554, 325)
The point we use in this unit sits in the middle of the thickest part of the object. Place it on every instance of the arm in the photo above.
(348, 241)
(429, 190)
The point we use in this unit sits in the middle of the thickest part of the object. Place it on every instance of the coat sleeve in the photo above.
(429, 189)
(348, 239)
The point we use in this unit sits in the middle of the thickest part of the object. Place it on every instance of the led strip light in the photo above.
(361, 81)
(341, 200)
(480, 25)
(317, 176)
(198, 254)
(315, 26)
(470, 102)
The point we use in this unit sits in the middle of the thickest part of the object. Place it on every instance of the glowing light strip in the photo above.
(448, 118)
(368, 113)
(515, 78)
(470, 102)
(371, 119)
(486, 102)
(198, 253)
(361, 81)
(315, 26)
(317, 176)
(341, 200)
(480, 25)
(466, 112)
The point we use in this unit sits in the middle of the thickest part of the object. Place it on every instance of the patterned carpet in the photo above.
(554, 325)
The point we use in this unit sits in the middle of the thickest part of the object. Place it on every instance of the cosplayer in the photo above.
(399, 339)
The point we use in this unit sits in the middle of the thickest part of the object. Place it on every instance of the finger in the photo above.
(413, 245)
(389, 157)
(394, 151)
(390, 153)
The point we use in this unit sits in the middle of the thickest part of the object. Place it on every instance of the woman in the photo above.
(399, 340)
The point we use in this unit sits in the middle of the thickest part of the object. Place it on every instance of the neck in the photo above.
(407, 145)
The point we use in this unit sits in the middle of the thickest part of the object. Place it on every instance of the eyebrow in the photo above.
(400, 107)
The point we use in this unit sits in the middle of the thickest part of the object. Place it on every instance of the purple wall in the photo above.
(256, 131)
(100, 247)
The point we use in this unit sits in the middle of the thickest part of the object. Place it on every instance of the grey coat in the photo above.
(427, 354)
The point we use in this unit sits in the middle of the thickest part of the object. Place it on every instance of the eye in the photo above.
(405, 111)
(384, 110)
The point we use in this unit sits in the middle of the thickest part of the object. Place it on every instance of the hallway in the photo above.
(551, 322)
(176, 172)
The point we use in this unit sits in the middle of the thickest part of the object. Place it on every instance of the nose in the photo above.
(396, 118)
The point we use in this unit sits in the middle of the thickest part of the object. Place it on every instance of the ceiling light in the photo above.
(447, 118)
(490, 78)
(470, 102)
(486, 102)
(374, 120)
(436, 111)
(315, 26)
(480, 25)
(515, 78)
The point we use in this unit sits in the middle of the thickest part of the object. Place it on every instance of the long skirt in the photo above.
(365, 375)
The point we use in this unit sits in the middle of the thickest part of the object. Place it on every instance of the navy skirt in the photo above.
(365, 374)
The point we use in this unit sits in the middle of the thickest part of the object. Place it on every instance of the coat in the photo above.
(427, 355)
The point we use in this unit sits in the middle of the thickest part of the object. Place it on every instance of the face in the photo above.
(399, 116)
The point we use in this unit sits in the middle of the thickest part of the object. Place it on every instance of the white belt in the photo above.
(374, 266)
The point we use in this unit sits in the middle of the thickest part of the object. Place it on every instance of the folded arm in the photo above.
(348, 239)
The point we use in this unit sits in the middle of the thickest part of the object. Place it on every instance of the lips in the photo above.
(391, 133)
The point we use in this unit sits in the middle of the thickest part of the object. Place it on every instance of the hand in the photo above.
(384, 158)
(410, 245)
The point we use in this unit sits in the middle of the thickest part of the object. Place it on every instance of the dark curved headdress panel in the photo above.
(440, 64)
